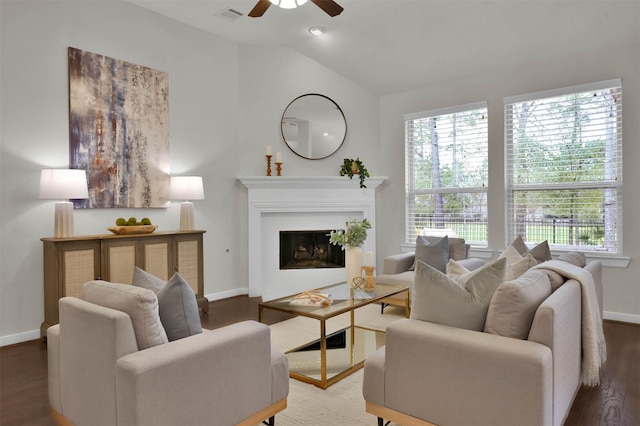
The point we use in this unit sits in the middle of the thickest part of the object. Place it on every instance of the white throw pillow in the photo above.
(140, 304)
(455, 269)
(461, 302)
(516, 263)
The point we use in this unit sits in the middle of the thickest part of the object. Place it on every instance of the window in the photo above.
(564, 167)
(446, 173)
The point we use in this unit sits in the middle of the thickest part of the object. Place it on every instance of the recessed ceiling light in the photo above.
(317, 31)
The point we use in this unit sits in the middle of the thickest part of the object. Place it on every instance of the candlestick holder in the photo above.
(268, 165)
(279, 168)
(370, 280)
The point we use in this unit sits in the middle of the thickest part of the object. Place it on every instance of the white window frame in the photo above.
(615, 183)
(410, 187)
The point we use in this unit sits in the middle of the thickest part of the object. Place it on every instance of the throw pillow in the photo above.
(179, 312)
(517, 264)
(519, 245)
(458, 248)
(555, 279)
(575, 258)
(142, 278)
(435, 254)
(455, 269)
(514, 305)
(540, 252)
(140, 304)
(461, 303)
(179, 309)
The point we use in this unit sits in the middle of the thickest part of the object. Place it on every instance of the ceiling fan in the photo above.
(329, 6)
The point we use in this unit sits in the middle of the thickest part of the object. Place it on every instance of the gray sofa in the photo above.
(114, 366)
(434, 373)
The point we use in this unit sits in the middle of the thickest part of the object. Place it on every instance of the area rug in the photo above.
(342, 403)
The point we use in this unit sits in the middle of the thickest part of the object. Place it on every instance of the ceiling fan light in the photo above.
(288, 4)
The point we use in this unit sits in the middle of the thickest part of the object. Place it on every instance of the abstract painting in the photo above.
(119, 131)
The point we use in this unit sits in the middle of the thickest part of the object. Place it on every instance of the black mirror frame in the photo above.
(344, 136)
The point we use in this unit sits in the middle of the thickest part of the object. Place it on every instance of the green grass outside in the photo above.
(590, 235)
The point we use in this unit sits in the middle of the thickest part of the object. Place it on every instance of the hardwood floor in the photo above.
(23, 373)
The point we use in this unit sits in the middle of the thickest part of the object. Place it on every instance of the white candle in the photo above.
(268, 149)
(278, 157)
(368, 258)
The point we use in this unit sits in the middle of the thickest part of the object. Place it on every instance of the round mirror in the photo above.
(313, 126)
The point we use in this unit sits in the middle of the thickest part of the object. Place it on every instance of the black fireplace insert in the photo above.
(309, 249)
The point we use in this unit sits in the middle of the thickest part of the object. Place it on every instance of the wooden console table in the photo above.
(70, 262)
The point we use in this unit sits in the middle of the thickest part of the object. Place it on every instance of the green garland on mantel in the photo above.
(352, 167)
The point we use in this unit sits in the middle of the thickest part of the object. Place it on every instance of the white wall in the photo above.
(203, 93)
(222, 113)
(621, 286)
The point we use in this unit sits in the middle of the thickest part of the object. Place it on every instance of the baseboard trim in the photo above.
(617, 316)
(12, 339)
(227, 294)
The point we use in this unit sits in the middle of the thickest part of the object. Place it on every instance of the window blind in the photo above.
(446, 169)
(564, 166)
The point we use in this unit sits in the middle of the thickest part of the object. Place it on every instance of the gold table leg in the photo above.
(323, 354)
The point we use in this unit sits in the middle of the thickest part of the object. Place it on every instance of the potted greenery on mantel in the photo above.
(352, 167)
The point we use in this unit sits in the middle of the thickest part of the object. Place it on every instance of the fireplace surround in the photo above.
(283, 203)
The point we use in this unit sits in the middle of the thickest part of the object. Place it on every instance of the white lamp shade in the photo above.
(63, 184)
(186, 188)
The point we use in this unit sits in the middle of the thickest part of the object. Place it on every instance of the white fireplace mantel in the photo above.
(297, 182)
(278, 203)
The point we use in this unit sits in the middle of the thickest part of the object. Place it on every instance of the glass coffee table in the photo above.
(326, 360)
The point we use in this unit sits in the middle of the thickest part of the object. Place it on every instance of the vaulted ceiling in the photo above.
(391, 46)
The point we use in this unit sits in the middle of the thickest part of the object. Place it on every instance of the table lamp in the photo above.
(186, 188)
(63, 185)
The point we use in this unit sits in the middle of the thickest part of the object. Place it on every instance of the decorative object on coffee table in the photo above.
(352, 167)
(351, 239)
(311, 298)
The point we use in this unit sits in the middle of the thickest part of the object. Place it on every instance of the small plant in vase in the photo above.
(351, 239)
(352, 167)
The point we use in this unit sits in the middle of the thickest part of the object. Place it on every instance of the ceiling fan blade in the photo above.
(260, 8)
(329, 6)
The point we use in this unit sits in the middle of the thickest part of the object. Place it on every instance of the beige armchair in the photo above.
(99, 376)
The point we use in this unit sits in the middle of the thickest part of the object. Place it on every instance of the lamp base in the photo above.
(63, 222)
(186, 216)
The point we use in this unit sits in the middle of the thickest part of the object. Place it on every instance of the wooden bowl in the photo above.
(129, 230)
